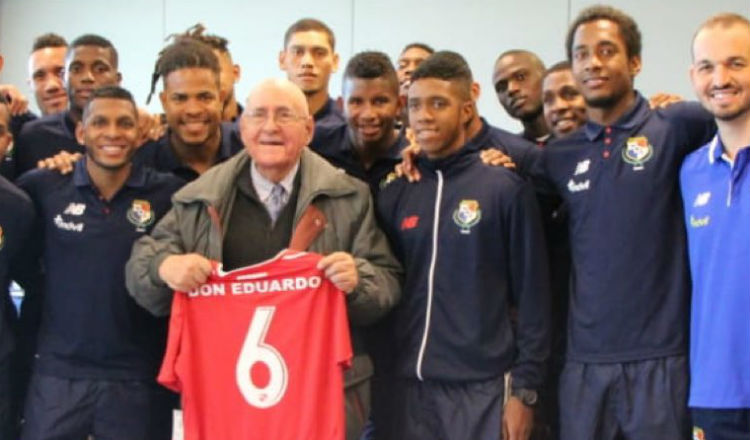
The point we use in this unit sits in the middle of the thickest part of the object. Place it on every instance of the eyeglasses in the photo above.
(281, 117)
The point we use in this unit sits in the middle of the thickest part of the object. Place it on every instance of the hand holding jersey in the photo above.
(185, 272)
(188, 271)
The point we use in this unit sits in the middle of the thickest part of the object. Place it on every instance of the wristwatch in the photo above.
(527, 396)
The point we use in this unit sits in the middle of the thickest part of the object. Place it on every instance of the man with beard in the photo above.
(517, 77)
(192, 100)
(625, 370)
(368, 145)
(715, 181)
(229, 72)
(98, 352)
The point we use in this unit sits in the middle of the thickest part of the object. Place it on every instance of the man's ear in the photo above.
(475, 91)
(335, 62)
(79, 132)
(634, 66)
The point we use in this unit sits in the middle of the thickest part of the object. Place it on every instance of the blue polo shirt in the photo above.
(160, 156)
(16, 219)
(716, 196)
(329, 115)
(43, 138)
(335, 145)
(630, 285)
(91, 328)
(327, 118)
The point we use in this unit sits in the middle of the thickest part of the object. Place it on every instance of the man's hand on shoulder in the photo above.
(18, 103)
(663, 100)
(62, 162)
(341, 269)
(150, 126)
(185, 272)
(496, 158)
(409, 154)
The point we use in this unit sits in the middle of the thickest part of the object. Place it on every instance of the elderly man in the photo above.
(245, 210)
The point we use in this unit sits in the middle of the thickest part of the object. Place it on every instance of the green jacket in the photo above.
(190, 227)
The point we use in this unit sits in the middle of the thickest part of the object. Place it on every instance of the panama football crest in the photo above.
(388, 179)
(2, 238)
(140, 214)
(467, 215)
(698, 434)
(637, 151)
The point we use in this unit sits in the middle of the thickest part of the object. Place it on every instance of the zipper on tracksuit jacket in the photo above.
(431, 275)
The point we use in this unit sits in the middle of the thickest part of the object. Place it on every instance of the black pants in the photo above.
(438, 410)
(73, 409)
(631, 400)
(721, 424)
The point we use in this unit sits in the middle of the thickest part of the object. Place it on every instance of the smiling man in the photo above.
(562, 101)
(46, 68)
(626, 371)
(470, 238)
(262, 194)
(715, 181)
(192, 99)
(367, 146)
(98, 352)
(91, 62)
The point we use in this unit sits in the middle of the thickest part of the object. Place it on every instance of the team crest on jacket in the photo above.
(467, 215)
(140, 214)
(2, 237)
(698, 434)
(637, 151)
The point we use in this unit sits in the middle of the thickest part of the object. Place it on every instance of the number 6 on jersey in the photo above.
(255, 350)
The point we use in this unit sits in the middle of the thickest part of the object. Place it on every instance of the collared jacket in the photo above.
(202, 208)
(471, 242)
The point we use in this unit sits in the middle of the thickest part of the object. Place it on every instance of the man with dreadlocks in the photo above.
(229, 72)
(192, 100)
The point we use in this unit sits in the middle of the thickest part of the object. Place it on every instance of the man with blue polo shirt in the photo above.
(16, 218)
(192, 99)
(91, 62)
(470, 238)
(367, 146)
(626, 371)
(98, 352)
(715, 183)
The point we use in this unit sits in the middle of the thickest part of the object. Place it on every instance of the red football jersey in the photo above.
(259, 353)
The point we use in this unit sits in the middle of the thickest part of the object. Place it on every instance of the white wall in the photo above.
(479, 29)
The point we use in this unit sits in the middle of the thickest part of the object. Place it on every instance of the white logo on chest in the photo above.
(68, 226)
(702, 199)
(582, 167)
(578, 186)
(75, 209)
